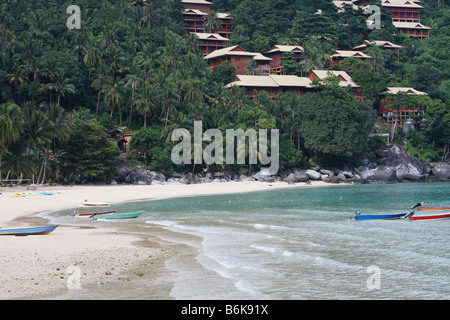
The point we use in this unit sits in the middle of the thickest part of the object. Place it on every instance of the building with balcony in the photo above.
(338, 55)
(277, 55)
(389, 114)
(209, 42)
(239, 59)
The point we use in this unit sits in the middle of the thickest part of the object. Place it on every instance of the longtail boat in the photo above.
(95, 204)
(87, 215)
(359, 216)
(28, 231)
(431, 217)
(433, 208)
(128, 215)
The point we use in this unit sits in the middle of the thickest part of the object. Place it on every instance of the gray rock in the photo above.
(313, 174)
(122, 173)
(441, 171)
(382, 175)
(261, 175)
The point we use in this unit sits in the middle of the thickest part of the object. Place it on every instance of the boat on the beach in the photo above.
(433, 208)
(28, 231)
(36, 193)
(430, 217)
(95, 204)
(128, 215)
(87, 215)
(359, 216)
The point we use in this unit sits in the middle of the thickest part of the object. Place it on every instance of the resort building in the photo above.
(200, 5)
(195, 16)
(209, 42)
(194, 20)
(275, 84)
(386, 45)
(414, 29)
(405, 15)
(225, 25)
(277, 55)
(239, 59)
(388, 114)
(339, 55)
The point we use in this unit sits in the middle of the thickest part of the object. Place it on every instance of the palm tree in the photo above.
(102, 77)
(61, 86)
(18, 76)
(145, 101)
(252, 68)
(92, 58)
(212, 22)
(315, 56)
(39, 134)
(112, 95)
(10, 127)
(133, 81)
(15, 161)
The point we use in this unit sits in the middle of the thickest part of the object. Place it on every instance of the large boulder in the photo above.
(406, 165)
(441, 171)
(123, 172)
(313, 174)
(381, 174)
(263, 174)
(138, 178)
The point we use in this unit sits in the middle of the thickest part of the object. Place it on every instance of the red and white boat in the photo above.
(431, 217)
(433, 208)
(87, 215)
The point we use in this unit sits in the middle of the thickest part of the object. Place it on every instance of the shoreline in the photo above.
(54, 266)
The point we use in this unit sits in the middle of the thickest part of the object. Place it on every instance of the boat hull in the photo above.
(96, 204)
(129, 215)
(433, 217)
(380, 216)
(28, 231)
(433, 208)
(87, 215)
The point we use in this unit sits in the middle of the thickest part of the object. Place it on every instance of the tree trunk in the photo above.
(98, 102)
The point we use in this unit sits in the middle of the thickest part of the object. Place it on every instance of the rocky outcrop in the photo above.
(392, 165)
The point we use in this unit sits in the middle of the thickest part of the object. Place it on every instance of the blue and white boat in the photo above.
(359, 216)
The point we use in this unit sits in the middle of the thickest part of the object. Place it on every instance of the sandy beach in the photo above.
(74, 256)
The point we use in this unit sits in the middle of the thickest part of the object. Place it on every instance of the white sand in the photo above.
(37, 267)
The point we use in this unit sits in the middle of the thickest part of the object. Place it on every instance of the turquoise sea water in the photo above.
(300, 244)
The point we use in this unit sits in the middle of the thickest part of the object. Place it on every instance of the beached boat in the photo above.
(95, 204)
(87, 215)
(433, 208)
(28, 231)
(36, 193)
(431, 217)
(128, 215)
(359, 216)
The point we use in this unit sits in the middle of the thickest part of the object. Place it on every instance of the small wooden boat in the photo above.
(128, 215)
(431, 217)
(36, 193)
(95, 204)
(28, 231)
(87, 215)
(433, 208)
(358, 216)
